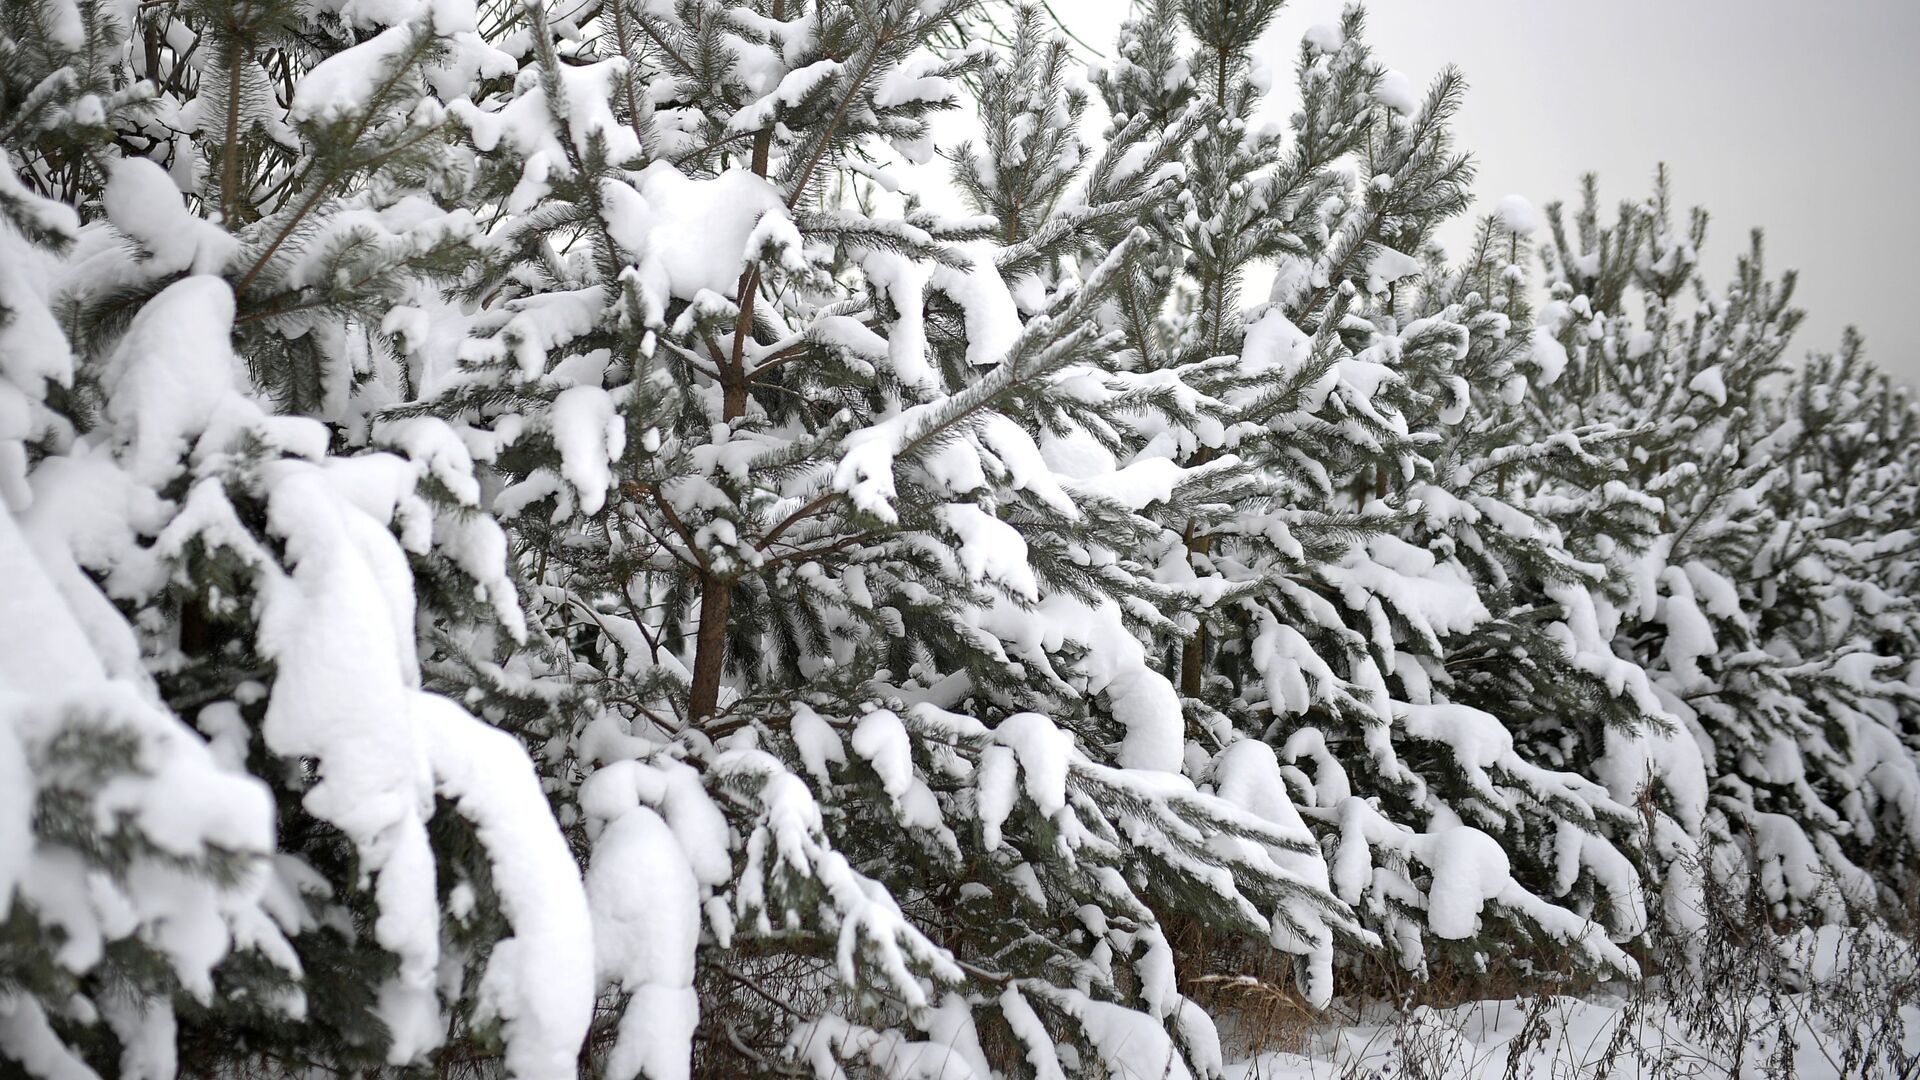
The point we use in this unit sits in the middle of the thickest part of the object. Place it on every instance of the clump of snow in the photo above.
(1469, 868)
(992, 319)
(539, 981)
(646, 923)
(1518, 216)
(1397, 92)
(1548, 355)
(1710, 381)
(689, 234)
(1324, 38)
(142, 201)
(590, 434)
(1387, 266)
(171, 372)
(795, 87)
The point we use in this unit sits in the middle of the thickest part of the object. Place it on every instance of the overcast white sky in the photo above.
(1800, 117)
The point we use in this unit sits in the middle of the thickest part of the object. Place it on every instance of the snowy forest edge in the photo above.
(592, 538)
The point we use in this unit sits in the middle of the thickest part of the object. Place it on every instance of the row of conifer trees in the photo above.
(571, 534)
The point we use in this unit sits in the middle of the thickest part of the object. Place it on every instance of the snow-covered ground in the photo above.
(1564, 1038)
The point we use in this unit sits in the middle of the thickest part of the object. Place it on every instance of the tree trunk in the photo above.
(716, 592)
(1193, 655)
(710, 646)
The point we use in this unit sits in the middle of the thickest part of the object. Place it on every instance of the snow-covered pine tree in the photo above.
(1739, 603)
(339, 868)
(1331, 600)
(1538, 518)
(816, 554)
(1835, 597)
(130, 859)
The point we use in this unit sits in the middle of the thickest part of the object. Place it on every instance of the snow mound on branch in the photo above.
(1397, 92)
(1469, 869)
(540, 980)
(1711, 382)
(142, 201)
(1116, 665)
(1388, 266)
(646, 917)
(591, 435)
(660, 848)
(689, 235)
(170, 373)
(1517, 215)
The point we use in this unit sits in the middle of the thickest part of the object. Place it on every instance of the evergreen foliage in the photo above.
(545, 538)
